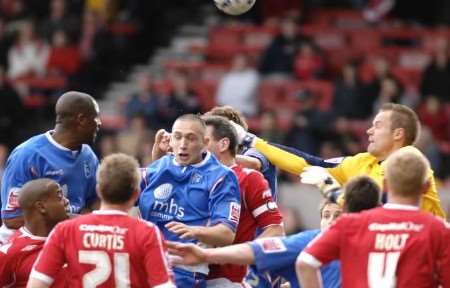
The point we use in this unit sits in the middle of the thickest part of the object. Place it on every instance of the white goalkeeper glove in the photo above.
(320, 177)
(244, 138)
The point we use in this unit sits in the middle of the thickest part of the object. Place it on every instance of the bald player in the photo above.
(43, 206)
(62, 154)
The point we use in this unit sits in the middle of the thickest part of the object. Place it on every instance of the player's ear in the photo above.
(40, 205)
(399, 134)
(224, 144)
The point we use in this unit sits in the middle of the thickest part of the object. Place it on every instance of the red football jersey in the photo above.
(105, 249)
(258, 210)
(17, 258)
(391, 246)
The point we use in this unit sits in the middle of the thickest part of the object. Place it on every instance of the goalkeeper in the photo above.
(394, 127)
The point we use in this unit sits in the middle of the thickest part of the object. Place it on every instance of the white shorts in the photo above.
(5, 234)
(224, 283)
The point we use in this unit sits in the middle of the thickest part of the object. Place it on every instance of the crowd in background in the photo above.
(47, 47)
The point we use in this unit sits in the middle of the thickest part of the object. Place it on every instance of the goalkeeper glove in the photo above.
(244, 138)
(320, 177)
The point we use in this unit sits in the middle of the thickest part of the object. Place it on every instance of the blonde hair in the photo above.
(406, 172)
(118, 178)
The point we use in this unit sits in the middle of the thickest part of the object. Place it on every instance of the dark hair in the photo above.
(118, 178)
(361, 193)
(230, 113)
(403, 117)
(223, 129)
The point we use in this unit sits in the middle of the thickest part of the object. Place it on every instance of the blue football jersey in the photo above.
(202, 194)
(277, 255)
(41, 157)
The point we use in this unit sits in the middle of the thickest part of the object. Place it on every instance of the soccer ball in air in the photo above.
(234, 7)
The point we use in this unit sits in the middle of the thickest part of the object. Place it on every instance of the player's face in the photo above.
(381, 136)
(187, 141)
(329, 215)
(92, 124)
(56, 204)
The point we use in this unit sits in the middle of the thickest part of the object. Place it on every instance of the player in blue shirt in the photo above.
(191, 196)
(277, 255)
(62, 154)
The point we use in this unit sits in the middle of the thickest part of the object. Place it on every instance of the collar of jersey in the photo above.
(400, 206)
(201, 163)
(49, 136)
(28, 234)
(109, 212)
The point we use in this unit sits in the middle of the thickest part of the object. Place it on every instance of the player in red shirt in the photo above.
(107, 248)
(391, 246)
(258, 209)
(43, 206)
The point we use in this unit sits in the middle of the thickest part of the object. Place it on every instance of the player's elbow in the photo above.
(226, 238)
(273, 231)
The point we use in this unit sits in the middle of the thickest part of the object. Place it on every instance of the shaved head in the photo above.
(43, 205)
(73, 103)
(77, 116)
(36, 190)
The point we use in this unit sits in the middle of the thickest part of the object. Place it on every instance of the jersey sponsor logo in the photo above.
(87, 169)
(163, 191)
(196, 178)
(395, 226)
(235, 212)
(13, 198)
(272, 245)
(54, 172)
(164, 209)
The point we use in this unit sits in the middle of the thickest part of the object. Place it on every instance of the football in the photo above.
(234, 7)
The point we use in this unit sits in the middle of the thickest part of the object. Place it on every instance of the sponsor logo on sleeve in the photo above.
(272, 245)
(13, 198)
(235, 212)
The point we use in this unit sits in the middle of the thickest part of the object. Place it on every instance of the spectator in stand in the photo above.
(5, 43)
(182, 100)
(310, 124)
(97, 51)
(347, 95)
(269, 128)
(391, 91)
(278, 58)
(435, 116)
(144, 102)
(371, 90)
(13, 10)
(64, 58)
(436, 76)
(238, 87)
(29, 54)
(308, 63)
(59, 19)
(130, 141)
(11, 113)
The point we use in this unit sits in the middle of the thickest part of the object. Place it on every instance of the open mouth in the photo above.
(183, 156)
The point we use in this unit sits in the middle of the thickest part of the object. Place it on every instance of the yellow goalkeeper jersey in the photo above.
(359, 164)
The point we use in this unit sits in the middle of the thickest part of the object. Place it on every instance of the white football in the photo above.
(234, 7)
